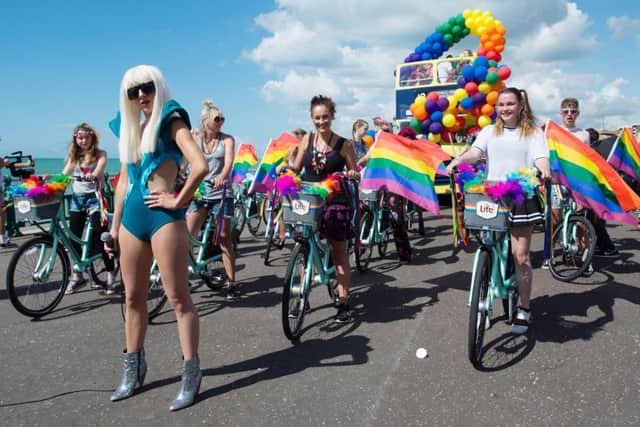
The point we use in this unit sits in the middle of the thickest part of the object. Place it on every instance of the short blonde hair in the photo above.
(132, 144)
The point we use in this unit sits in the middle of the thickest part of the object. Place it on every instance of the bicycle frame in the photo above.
(500, 282)
(375, 231)
(318, 259)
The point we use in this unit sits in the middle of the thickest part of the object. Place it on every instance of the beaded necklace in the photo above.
(319, 158)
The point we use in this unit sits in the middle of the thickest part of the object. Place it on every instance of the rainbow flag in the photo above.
(625, 154)
(265, 178)
(405, 167)
(245, 158)
(591, 181)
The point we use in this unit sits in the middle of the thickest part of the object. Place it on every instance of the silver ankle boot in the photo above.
(134, 368)
(191, 379)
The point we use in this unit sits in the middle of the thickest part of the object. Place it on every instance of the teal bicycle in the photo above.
(309, 263)
(375, 228)
(38, 272)
(573, 240)
(493, 275)
(245, 210)
(204, 261)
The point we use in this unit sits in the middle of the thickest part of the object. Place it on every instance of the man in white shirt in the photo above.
(445, 70)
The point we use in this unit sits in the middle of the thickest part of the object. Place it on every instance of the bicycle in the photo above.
(573, 242)
(309, 264)
(20, 167)
(375, 228)
(493, 275)
(38, 272)
(245, 210)
(199, 264)
(273, 211)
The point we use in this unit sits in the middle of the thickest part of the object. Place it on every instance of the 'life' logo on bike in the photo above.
(24, 206)
(486, 210)
(300, 207)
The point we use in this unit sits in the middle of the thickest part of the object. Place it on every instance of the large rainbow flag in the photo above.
(245, 158)
(405, 167)
(591, 181)
(265, 178)
(625, 154)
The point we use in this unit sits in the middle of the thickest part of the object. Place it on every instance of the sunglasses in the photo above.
(567, 112)
(218, 119)
(147, 88)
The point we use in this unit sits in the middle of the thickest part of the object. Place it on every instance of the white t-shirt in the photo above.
(443, 71)
(582, 134)
(508, 153)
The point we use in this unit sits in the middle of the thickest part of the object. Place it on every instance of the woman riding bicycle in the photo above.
(86, 160)
(322, 153)
(218, 150)
(514, 142)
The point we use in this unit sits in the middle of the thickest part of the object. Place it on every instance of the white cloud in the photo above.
(349, 50)
(562, 40)
(623, 26)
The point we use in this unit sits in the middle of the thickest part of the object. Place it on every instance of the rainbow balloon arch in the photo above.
(472, 105)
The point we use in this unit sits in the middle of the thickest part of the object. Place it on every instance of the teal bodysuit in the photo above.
(138, 218)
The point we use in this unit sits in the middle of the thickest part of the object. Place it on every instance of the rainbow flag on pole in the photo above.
(276, 152)
(591, 181)
(245, 158)
(625, 154)
(405, 167)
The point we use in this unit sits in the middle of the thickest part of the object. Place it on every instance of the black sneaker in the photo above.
(344, 314)
(217, 278)
(606, 253)
(232, 290)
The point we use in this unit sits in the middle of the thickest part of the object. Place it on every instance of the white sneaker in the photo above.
(521, 322)
(545, 264)
(4, 240)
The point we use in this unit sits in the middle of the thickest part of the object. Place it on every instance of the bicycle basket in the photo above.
(303, 209)
(481, 212)
(37, 209)
(369, 198)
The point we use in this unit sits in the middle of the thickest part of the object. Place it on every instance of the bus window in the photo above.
(416, 75)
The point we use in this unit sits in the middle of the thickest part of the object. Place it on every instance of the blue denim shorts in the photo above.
(84, 202)
(214, 205)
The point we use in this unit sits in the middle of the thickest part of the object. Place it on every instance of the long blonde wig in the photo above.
(132, 145)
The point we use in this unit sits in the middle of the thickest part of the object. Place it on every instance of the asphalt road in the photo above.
(579, 365)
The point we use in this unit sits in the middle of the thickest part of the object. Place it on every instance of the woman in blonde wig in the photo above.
(218, 150)
(149, 220)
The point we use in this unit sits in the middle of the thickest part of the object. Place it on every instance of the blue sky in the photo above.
(261, 61)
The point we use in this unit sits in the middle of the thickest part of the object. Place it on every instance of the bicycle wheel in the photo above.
(265, 208)
(384, 243)
(253, 222)
(362, 254)
(570, 258)
(240, 216)
(478, 311)
(295, 293)
(37, 277)
(98, 272)
(270, 244)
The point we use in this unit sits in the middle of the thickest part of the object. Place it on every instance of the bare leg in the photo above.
(520, 245)
(343, 270)
(226, 245)
(195, 219)
(170, 247)
(135, 263)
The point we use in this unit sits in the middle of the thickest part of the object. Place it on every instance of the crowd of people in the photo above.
(153, 210)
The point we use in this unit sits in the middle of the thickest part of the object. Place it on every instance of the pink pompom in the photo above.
(287, 186)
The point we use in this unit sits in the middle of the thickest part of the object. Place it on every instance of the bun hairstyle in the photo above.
(526, 121)
(326, 101)
(132, 144)
(207, 115)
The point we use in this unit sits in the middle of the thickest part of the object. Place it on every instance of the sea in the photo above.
(46, 166)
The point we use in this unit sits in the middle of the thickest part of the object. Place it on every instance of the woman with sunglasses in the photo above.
(149, 220)
(218, 150)
(322, 153)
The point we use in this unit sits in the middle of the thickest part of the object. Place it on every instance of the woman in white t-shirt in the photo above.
(514, 142)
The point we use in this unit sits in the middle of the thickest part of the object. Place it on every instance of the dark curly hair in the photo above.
(323, 100)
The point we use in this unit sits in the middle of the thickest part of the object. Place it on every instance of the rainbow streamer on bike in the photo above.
(34, 187)
(459, 232)
(590, 180)
(265, 178)
(405, 167)
(245, 159)
(625, 154)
